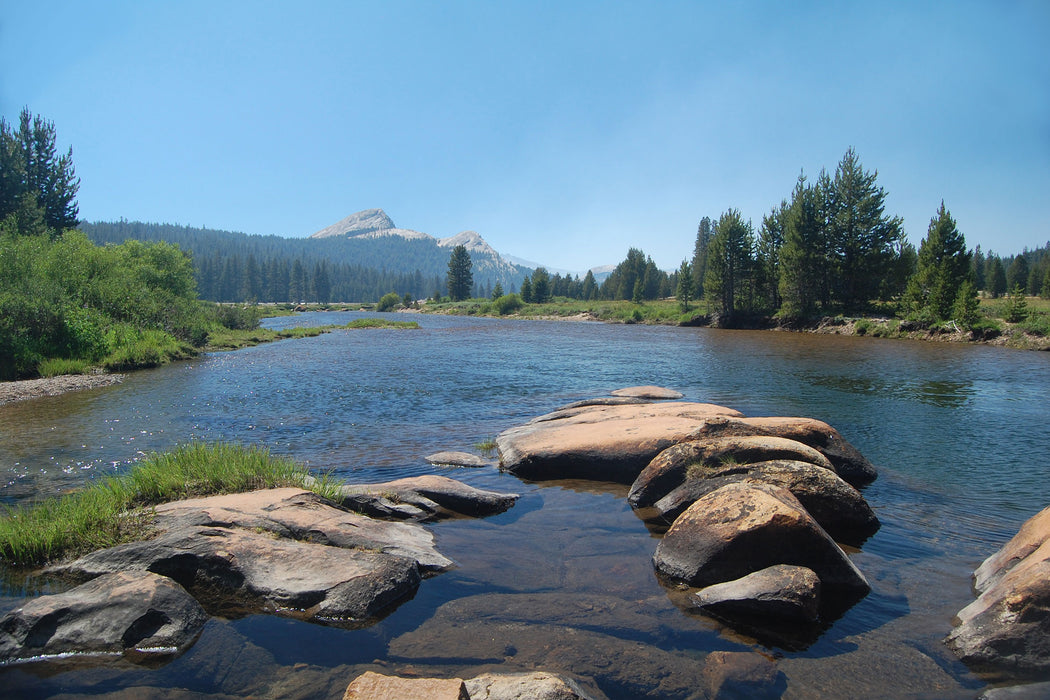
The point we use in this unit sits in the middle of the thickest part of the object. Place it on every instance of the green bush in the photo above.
(507, 304)
(862, 326)
(388, 302)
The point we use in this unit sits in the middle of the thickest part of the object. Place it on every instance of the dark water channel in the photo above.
(563, 581)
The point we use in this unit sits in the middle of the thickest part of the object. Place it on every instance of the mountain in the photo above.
(363, 256)
(488, 266)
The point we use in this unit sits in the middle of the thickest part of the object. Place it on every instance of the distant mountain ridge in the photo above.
(487, 264)
(363, 256)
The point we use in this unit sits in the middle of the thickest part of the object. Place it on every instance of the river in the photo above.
(958, 434)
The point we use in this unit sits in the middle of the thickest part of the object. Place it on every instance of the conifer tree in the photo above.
(943, 266)
(460, 277)
(684, 288)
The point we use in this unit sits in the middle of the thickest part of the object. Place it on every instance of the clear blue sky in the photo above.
(563, 132)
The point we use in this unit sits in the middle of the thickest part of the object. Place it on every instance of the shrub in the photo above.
(508, 303)
(862, 326)
(389, 301)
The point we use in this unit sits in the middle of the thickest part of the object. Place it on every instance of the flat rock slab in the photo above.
(1007, 629)
(458, 459)
(278, 550)
(375, 686)
(425, 496)
(602, 443)
(112, 614)
(654, 393)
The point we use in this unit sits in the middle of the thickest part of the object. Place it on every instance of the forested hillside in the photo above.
(240, 267)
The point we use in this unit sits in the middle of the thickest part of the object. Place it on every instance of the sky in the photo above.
(563, 132)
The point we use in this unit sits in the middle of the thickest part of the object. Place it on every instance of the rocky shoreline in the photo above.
(24, 389)
(756, 518)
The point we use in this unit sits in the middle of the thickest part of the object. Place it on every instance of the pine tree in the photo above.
(802, 260)
(541, 286)
(943, 266)
(526, 290)
(861, 236)
(684, 288)
(704, 232)
(729, 258)
(30, 166)
(497, 291)
(460, 277)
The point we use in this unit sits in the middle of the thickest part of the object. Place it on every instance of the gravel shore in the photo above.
(53, 386)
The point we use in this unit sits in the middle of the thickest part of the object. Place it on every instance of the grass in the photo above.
(662, 312)
(118, 509)
(148, 348)
(486, 447)
(227, 339)
(58, 366)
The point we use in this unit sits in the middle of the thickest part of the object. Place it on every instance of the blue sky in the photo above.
(563, 132)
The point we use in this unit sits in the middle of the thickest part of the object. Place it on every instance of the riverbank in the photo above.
(24, 389)
(1032, 334)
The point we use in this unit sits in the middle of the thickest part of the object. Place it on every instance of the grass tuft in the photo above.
(117, 509)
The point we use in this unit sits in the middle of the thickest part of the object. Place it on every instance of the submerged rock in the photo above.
(742, 528)
(112, 614)
(538, 685)
(1007, 629)
(602, 443)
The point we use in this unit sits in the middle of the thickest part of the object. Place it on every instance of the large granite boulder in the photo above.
(424, 497)
(600, 442)
(282, 550)
(708, 458)
(782, 592)
(838, 507)
(121, 612)
(1007, 629)
(744, 527)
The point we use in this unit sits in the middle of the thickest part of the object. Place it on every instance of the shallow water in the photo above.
(563, 581)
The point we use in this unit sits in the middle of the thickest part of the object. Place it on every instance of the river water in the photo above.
(563, 581)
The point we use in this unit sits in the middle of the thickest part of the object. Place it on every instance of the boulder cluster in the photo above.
(754, 508)
(286, 551)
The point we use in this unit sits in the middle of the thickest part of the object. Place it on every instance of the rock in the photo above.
(457, 459)
(849, 463)
(1007, 629)
(537, 685)
(375, 686)
(745, 527)
(279, 550)
(838, 507)
(656, 393)
(116, 613)
(710, 457)
(784, 592)
(742, 674)
(603, 443)
(430, 494)
(603, 401)
(1029, 691)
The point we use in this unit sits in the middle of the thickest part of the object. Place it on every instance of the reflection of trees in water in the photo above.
(945, 394)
